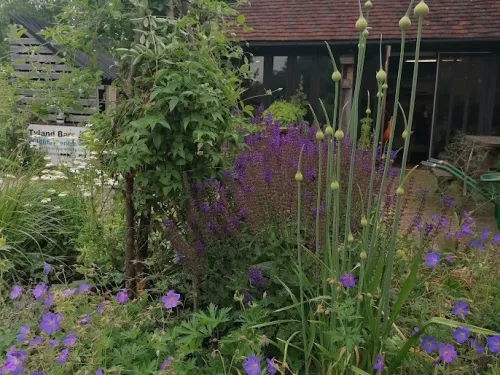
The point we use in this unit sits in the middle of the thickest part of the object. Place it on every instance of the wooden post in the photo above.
(347, 63)
(130, 280)
(110, 96)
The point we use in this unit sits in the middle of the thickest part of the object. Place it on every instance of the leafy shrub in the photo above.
(286, 112)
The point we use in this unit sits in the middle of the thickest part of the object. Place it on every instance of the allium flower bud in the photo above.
(364, 222)
(379, 95)
(362, 24)
(368, 111)
(320, 136)
(368, 4)
(350, 237)
(320, 309)
(339, 135)
(405, 134)
(366, 33)
(336, 76)
(359, 297)
(405, 23)
(329, 131)
(299, 177)
(421, 10)
(400, 191)
(381, 76)
(335, 185)
(363, 255)
(330, 281)
(385, 86)
(369, 295)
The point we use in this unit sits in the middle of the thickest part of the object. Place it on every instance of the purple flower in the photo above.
(85, 319)
(68, 292)
(247, 299)
(479, 349)
(14, 362)
(268, 175)
(493, 344)
(428, 344)
(347, 280)
(23, 331)
(420, 226)
(199, 247)
(484, 234)
(465, 229)
(271, 369)
(449, 258)
(50, 323)
(54, 343)
(16, 292)
(460, 310)
(166, 363)
(46, 268)
(461, 334)
(432, 259)
(255, 276)
(70, 340)
(252, 365)
(447, 202)
(40, 291)
(379, 364)
(36, 341)
(84, 288)
(496, 239)
(99, 371)
(49, 300)
(447, 352)
(100, 308)
(171, 300)
(122, 297)
(475, 244)
(63, 357)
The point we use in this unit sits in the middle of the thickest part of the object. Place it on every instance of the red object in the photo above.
(334, 20)
(387, 132)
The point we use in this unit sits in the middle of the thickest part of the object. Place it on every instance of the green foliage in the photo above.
(289, 112)
(366, 127)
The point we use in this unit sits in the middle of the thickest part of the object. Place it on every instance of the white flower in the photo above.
(111, 182)
(104, 152)
(47, 158)
(51, 191)
(46, 171)
(28, 205)
(92, 157)
(63, 194)
(49, 165)
(9, 176)
(87, 194)
(57, 207)
(45, 177)
(93, 153)
(46, 200)
(34, 145)
(35, 178)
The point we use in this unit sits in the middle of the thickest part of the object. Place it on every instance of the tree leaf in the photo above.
(240, 19)
(173, 103)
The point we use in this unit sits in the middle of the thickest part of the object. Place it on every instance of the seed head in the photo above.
(362, 24)
(364, 222)
(329, 131)
(366, 33)
(350, 237)
(339, 135)
(405, 134)
(421, 10)
(336, 76)
(368, 4)
(400, 191)
(385, 86)
(320, 136)
(335, 185)
(405, 23)
(381, 76)
(368, 111)
(299, 177)
(363, 255)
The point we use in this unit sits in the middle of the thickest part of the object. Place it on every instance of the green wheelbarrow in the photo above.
(474, 186)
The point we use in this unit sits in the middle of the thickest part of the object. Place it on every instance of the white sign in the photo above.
(62, 143)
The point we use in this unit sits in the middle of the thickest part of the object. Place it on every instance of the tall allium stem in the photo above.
(299, 178)
(353, 126)
(397, 214)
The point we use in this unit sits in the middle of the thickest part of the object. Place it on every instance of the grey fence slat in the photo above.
(25, 42)
(16, 58)
(71, 118)
(53, 67)
(28, 50)
(83, 102)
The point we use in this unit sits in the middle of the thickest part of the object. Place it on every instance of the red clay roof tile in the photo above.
(333, 20)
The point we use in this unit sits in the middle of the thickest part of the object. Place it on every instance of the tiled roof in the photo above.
(105, 63)
(333, 20)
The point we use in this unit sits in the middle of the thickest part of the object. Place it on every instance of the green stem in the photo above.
(392, 247)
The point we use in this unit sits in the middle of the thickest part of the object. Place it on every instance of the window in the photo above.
(254, 94)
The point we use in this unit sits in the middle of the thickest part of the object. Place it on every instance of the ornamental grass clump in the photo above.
(347, 319)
